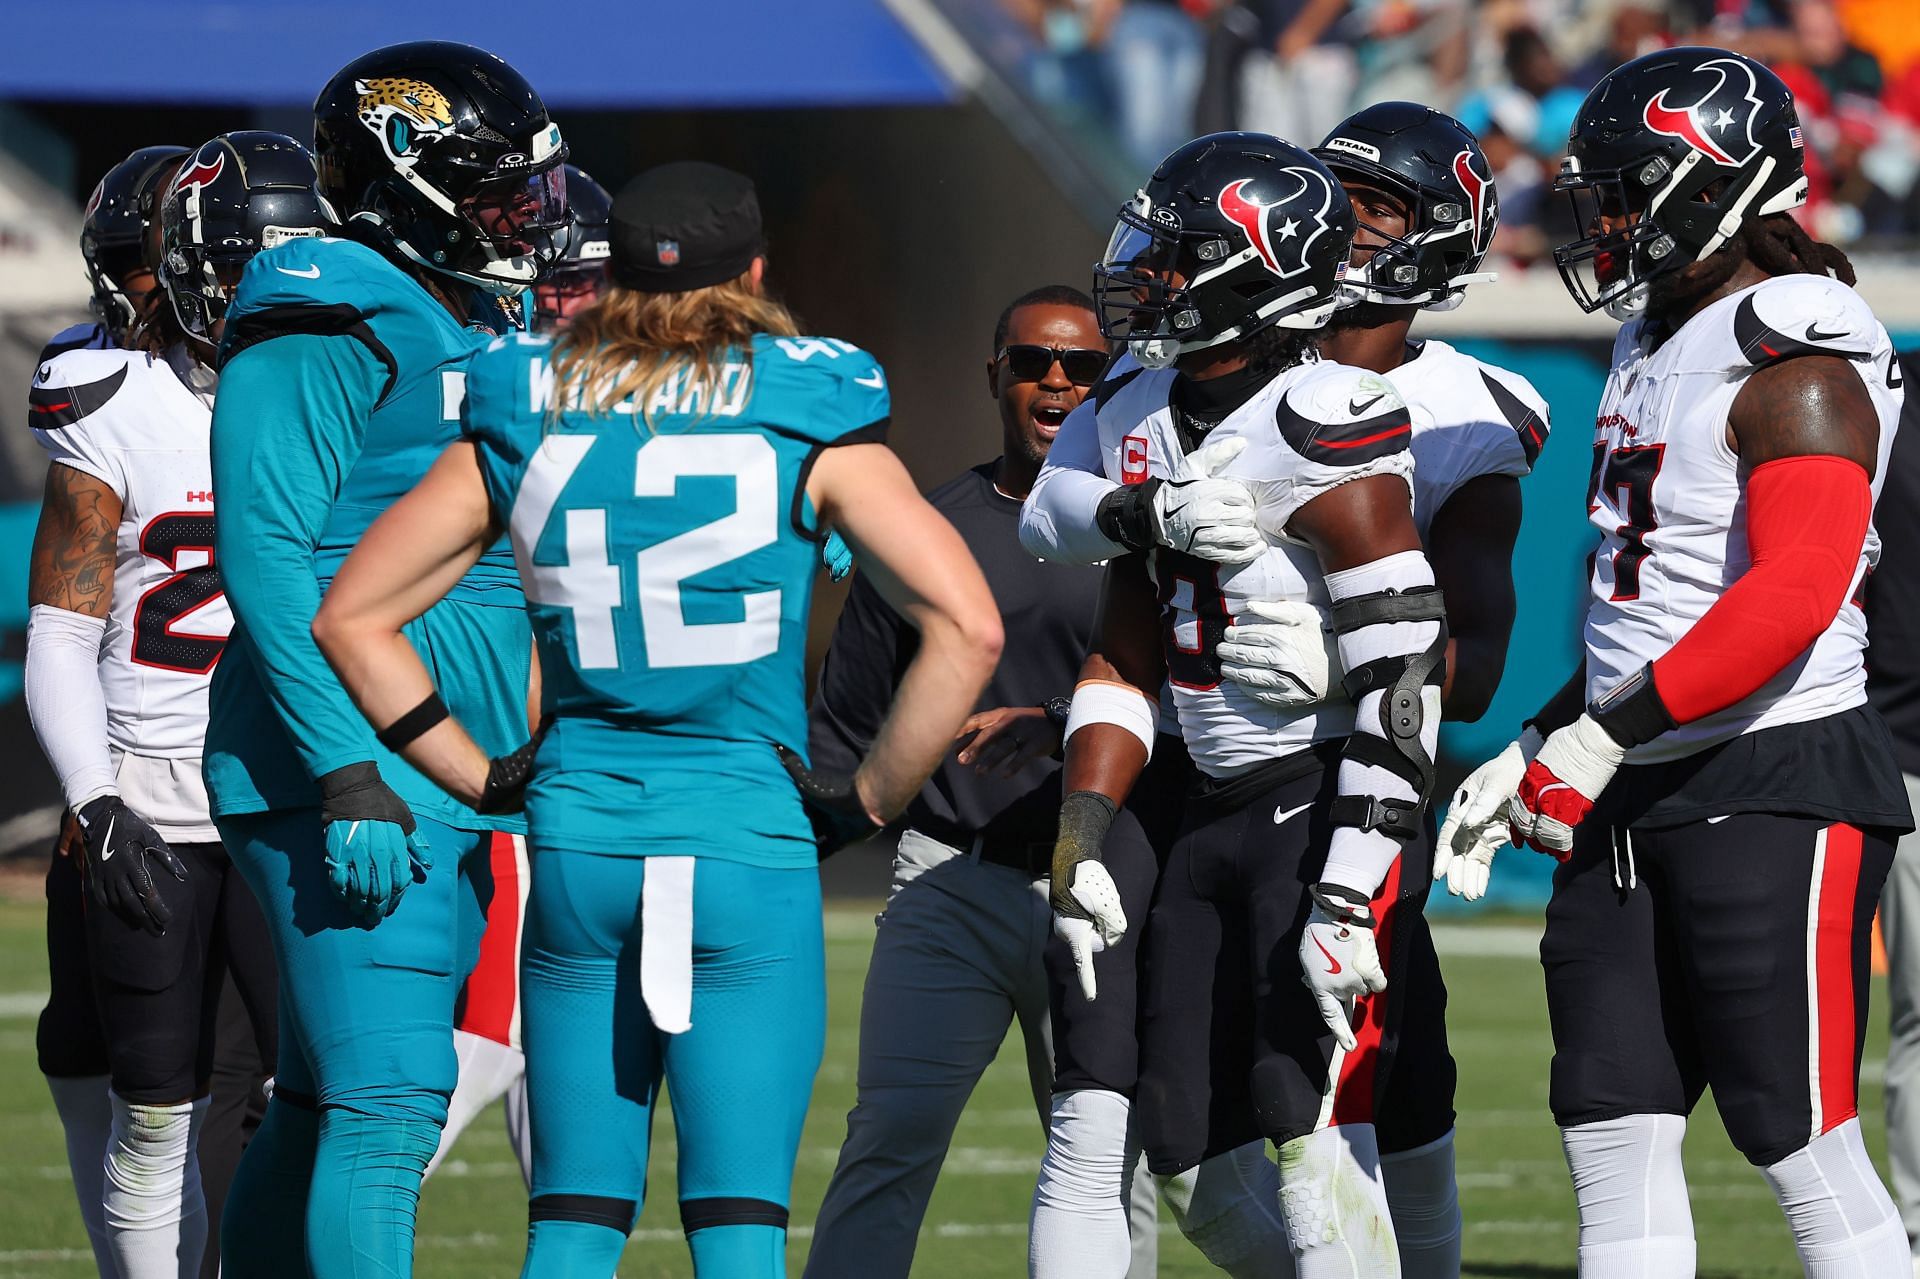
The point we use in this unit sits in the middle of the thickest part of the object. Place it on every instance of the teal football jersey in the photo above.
(341, 385)
(668, 569)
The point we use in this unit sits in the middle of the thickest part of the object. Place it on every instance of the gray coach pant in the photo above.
(1900, 928)
(958, 957)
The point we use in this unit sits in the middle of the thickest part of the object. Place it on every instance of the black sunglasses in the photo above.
(1028, 363)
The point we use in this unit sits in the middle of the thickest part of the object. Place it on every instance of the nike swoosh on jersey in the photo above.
(1715, 821)
(1357, 407)
(1333, 965)
(311, 273)
(879, 378)
(1815, 335)
(1283, 815)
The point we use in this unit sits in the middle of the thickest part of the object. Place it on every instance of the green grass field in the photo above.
(1519, 1207)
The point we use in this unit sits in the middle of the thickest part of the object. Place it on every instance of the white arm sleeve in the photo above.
(1057, 520)
(65, 701)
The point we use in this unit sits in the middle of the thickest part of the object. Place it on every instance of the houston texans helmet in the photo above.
(1434, 165)
(444, 154)
(1668, 155)
(113, 230)
(580, 273)
(238, 194)
(1233, 234)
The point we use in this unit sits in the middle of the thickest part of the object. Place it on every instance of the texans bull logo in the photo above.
(1479, 192)
(1720, 122)
(202, 173)
(1283, 248)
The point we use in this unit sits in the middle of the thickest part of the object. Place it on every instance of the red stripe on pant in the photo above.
(487, 1001)
(1835, 1022)
(1353, 1091)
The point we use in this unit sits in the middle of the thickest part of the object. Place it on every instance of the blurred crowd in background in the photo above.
(1148, 74)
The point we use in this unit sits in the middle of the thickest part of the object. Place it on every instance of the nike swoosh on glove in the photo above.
(115, 852)
(1201, 514)
(1476, 826)
(1339, 962)
(1288, 659)
(1561, 784)
(373, 849)
(1087, 914)
(834, 808)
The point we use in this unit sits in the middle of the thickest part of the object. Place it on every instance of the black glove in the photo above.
(833, 806)
(507, 777)
(115, 854)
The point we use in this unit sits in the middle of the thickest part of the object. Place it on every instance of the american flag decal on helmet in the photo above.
(1795, 137)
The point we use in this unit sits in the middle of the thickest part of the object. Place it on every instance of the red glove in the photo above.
(1560, 786)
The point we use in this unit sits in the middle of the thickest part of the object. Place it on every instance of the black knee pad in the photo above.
(702, 1214)
(591, 1210)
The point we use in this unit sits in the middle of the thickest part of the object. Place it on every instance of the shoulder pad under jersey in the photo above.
(1337, 415)
(76, 384)
(1792, 315)
(820, 389)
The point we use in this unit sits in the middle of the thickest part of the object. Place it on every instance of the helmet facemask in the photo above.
(1399, 269)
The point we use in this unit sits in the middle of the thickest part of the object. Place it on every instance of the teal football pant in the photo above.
(366, 1053)
(739, 1078)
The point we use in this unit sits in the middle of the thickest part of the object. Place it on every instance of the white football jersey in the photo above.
(1668, 496)
(1469, 419)
(1313, 427)
(139, 424)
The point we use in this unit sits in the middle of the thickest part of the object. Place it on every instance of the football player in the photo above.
(68, 1039)
(128, 621)
(1219, 276)
(661, 943)
(579, 276)
(341, 383)
(1723, 802)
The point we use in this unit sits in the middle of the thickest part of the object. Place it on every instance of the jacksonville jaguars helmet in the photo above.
(1433, 164)
(238, 194)
(443, 154)
(1669, 154)
(113, 230)
(580, 275)
(1233, 234)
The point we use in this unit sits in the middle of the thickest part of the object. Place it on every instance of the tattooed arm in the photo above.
(73, 547)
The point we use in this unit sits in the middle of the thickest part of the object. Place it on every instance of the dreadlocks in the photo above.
(1275, 348)
(1779, 245)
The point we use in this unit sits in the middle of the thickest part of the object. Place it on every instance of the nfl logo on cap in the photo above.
(668, 251)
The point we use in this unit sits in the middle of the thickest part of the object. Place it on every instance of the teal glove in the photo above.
(836, 556)
(373, 849)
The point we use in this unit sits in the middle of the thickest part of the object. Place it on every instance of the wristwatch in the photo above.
(1057, 709)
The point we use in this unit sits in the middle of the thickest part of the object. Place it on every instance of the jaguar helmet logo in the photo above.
(405, 113)
(1284, 248)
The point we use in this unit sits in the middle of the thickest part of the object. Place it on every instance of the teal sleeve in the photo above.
(287, 428)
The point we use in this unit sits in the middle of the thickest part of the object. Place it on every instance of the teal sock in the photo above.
(572, 1250)
(366, 1190)
(739, 1252)
(263, 1229)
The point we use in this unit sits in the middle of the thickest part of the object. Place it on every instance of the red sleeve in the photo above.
(1806, 522)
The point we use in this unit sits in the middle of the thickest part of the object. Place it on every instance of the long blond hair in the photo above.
(629, 344)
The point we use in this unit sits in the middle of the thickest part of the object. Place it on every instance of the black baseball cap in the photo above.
(683, 226)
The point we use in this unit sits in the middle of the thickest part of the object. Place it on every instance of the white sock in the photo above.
(487, 1069)
(1336, 1206)
(1079, 1226)
(1229, 1208)
(1635, 1222)
(1843, 1220)
(1426, 1209)
(155, 1211)
(86, 1117)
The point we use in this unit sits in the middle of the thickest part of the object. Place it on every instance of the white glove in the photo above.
(1561, 784)
(1286, 661)
(1476, 825)
(1339, 962)
(1201, 515)
(1103, 923)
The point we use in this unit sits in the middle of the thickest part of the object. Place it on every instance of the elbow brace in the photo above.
(65, 702)
(1807, 518)
(1390, 622)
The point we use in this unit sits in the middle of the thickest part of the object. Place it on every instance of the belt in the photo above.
(1032, 858)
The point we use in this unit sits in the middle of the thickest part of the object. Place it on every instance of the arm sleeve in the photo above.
(65, 701)
(287, 428)
(1057, 521)
(871, 646)
(1807, 519)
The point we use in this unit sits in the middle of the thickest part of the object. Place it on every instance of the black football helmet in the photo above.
(1434, 164)
(113, 229)
(238, 194)
(581, 271)
(444, 154)
(1253, 231)
(1675, 149)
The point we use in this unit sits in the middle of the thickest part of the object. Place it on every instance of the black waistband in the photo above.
(1213, 797)
(1016, 852)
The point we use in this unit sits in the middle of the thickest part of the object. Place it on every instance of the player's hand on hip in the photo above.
(1476, 825)
(1284, 656)
(373, 846)
(1007, 739)
(1561, 785)
(117, 854)
(1339, 960)
(1202, 514)
(834, 808)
